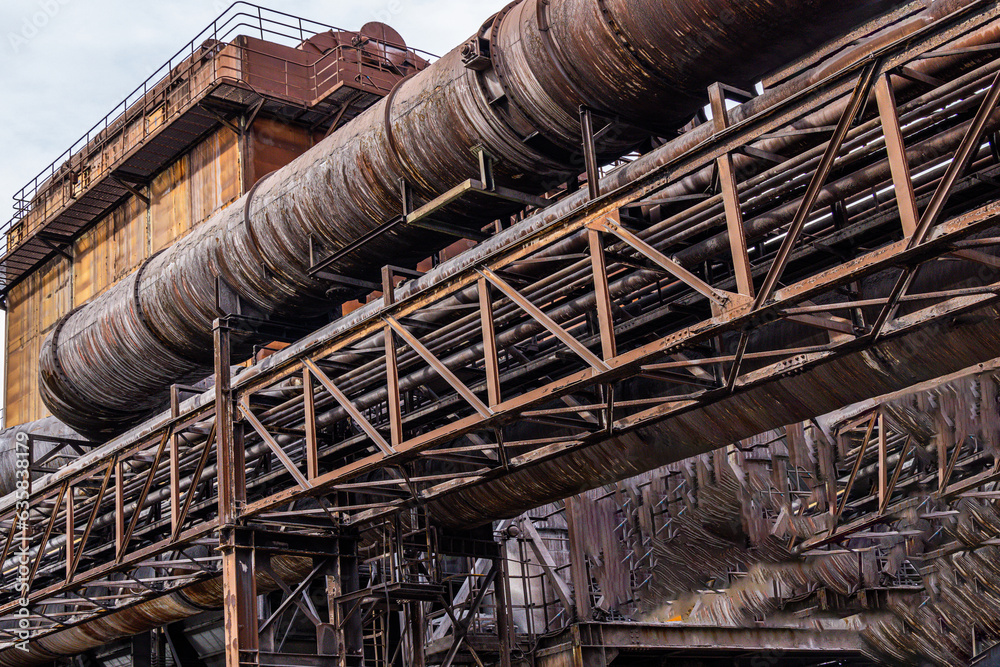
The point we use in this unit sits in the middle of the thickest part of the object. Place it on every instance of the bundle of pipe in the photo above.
(108, 364)
(640, 166)
(643, 165)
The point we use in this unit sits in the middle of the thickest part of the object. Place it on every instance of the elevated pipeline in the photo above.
(616, 452)
(109, 363)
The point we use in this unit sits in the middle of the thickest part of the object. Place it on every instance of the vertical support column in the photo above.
(415, 612)
(505, 621)
(242, 129)
(485, 168)
(175, 462)
(883, 459)
(944, 438)
(159, 648)
(239, 600)
(731, 199)
(70, 529)
(605, 317)
(353, 626)
(142, 649)
(577, 560)
(391, 367)
(334, 590)
(119, 505)
(577, 648)
(490, 355)
(312, 443)
(405, 196)
(906, 200)
(590, 152)
(231, 461)
(239, 585)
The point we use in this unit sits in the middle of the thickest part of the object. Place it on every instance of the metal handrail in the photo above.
(240, 18)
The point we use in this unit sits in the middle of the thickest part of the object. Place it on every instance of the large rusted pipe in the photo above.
(120, 624)
(154, 613)
(109, 363)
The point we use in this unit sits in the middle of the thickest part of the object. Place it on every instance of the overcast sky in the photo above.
(64, 64)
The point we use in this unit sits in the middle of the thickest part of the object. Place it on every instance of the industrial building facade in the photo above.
(626, 333)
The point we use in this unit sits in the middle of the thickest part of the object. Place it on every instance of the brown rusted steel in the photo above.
(935, 208)
(860, 96)
(901, 180)
(635, 61)
(731, 198)
(637, 440)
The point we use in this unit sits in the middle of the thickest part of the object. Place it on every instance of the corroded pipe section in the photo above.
(154, 613)
(515, 90)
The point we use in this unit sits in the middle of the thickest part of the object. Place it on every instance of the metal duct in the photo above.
(109, 363)
(154, 613)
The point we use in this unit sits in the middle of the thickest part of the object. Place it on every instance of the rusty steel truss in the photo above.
(291, 444)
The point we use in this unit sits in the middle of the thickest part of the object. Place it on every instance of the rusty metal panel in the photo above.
(170, 207)
(17, 368)
(275, 69)
(22, 328)
(21, 318)
(214, 174)
(130, 242)
(92, 262)
(55, 292)
(274, 144)
(24, 404)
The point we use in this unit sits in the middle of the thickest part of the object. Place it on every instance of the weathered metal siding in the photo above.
(34, 308)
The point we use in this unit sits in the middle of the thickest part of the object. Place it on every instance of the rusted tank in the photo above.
(515, 90)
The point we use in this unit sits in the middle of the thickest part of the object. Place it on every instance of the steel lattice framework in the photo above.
(547, 337)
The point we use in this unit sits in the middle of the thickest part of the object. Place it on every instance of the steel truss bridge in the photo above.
(344, 435)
